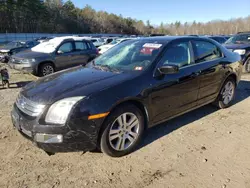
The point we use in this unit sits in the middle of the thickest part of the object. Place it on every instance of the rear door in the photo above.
(81, 54)
(208, 58)
(63, 56)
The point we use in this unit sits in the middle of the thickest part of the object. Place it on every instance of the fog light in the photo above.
(48, 138)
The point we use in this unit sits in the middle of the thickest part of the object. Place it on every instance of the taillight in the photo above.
(97, 51)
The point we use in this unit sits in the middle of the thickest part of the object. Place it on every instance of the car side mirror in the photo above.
(60, 52)
(169, 69)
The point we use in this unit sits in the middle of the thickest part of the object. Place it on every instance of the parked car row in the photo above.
(40, 57)
(54, 54)
(115, 42)
(109, 103)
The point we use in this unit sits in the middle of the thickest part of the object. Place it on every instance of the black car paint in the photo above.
(159, 97)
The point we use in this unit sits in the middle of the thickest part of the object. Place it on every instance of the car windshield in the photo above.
(239, 39)
(115, 41)
(12, 45)
(133, 55)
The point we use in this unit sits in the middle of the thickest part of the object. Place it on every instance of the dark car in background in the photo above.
(219, 39)
(44, 39)
(56, 54)
(110, 102)
(240, 43)
(15, 47)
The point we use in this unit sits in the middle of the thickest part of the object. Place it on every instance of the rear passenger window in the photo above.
(205, 51)
(81, 46)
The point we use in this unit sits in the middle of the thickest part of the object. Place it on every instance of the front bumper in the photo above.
(26, 68)
(77, 135)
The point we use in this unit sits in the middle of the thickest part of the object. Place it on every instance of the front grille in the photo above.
(29, 107)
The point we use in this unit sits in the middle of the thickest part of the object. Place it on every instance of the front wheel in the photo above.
(123, 132)
(226, 94)
(46, 69)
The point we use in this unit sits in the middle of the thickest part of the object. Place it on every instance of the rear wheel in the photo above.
(226, 94)
(46, 69)
(247, 66)
(123, 132)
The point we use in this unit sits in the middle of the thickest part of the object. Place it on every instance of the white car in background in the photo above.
(106, 47)
(98, 42)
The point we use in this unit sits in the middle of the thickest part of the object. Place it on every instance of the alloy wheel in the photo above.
(124, 131)
(48, 69)
(228, 92)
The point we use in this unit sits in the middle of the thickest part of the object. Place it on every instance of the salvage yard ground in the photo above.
(204, 148)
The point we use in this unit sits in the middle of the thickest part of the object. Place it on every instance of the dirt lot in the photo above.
(204, 148)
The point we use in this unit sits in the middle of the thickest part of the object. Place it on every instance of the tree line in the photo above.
(54, 16)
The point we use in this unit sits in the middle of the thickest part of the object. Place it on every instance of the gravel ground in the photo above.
(204, 148)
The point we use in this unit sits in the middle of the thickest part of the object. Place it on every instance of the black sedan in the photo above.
(136, 85)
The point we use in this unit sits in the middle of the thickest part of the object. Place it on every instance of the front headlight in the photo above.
(241, 52)
(28, 60)
(59, 111)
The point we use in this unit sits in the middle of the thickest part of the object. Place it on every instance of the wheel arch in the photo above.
(232, 75)
(135, 102)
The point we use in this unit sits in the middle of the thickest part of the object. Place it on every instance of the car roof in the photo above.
(166, 39)
(73, 38)
(214, 36)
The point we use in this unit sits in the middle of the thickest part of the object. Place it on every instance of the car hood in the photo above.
(78, 81)
(236, 46)
(28, 54)
(106, 46)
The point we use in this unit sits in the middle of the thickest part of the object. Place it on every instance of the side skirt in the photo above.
(191, 109)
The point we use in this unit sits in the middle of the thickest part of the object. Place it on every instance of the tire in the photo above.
(118, 144)
(4, 60)
(227, 94)
(46, 69)
(246, 67)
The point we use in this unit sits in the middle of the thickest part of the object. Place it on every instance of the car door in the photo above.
(209, 60)
(81, 53)
(175, 93)
(63, 56)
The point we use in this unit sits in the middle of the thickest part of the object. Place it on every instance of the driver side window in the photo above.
(66, 47)
(178, 54)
